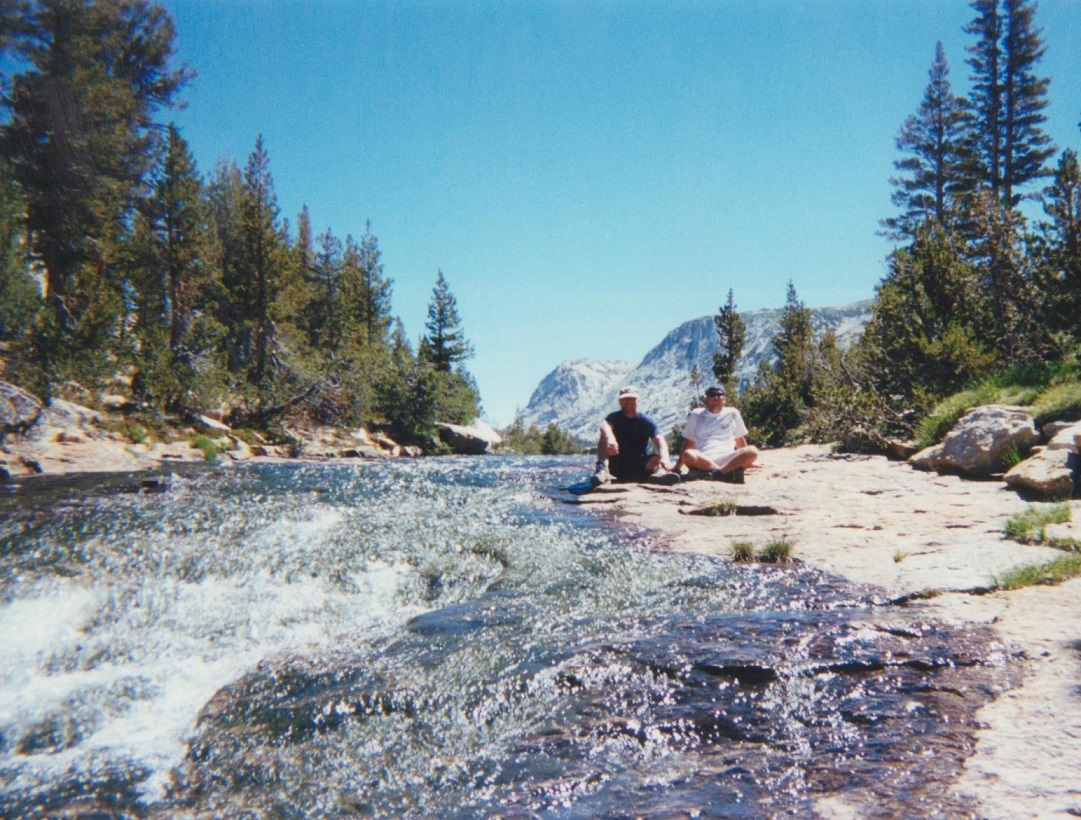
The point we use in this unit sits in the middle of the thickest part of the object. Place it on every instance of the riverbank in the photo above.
(937, 540)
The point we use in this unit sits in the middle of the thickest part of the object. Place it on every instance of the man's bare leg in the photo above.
(743, 457)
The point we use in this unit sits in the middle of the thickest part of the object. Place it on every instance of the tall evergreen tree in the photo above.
(1059, 247)
(173, 275)
(183, 236)
(324, 313)
(82, 138)
(1007, 100)
(794, 344)
(263, 273)
(732, 333)
(932, 170)
(445, 344)
(225, 195)
(373, 302)
(19, 295)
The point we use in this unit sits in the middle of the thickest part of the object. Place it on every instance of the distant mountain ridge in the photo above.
(579, 393)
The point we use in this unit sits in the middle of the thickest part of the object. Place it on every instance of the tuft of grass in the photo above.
(899, 556)
(1011, 458)
(1059, 401)
(721, 508)
(778, 551)
(1030, 526)
(933, 427)
(1053, 572)
(742, 551)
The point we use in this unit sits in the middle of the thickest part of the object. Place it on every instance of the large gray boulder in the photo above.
(19, 410)
(1050, 472)
(475, 439)
(981, 442)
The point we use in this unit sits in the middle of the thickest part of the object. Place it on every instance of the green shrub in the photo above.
(210, 447)
(134, 432)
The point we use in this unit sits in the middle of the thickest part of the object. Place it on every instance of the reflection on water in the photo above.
(444, 638)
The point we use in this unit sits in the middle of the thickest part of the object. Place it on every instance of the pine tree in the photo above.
(732, 333)
(264, 264)
(374, 304)
(19, 296)
(325, 275)
(82, 140)
(932, 170)
(183, 236)
(225, 194)
(923, 340)
(1059, 247)
(1007, 101)
(794, 343)
(172, 258)
(445, 344)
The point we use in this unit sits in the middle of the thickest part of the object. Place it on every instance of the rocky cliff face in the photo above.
(578, 393)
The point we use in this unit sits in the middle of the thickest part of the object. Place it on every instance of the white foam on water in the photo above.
(167, 648)
(32, 631)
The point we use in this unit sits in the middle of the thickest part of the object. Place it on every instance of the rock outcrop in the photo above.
(981, 442)
(1050, 471)
(18, 409)
(475, 439)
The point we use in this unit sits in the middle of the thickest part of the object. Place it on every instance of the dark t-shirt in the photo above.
(633, 435)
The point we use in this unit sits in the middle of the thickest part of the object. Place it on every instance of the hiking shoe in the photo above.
(732, 477)
(600, 476)
(667, 479)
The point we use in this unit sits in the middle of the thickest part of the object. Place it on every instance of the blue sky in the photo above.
(587, 175)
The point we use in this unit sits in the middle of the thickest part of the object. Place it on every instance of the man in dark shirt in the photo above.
(622, 450)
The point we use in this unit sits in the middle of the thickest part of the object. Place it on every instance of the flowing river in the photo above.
(446, 638)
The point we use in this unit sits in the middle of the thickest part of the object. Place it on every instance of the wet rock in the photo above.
(981, 441)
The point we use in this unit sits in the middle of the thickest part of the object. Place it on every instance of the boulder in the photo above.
(981, 441)
(1051, 471)
(476, 439)
(212, 425)
(19, 409)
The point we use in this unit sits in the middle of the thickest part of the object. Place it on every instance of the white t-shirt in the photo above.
(714, 434)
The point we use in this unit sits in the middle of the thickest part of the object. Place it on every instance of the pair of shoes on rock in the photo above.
(600, 475)
(732, 476)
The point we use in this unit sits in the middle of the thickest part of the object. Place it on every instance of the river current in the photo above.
(446, 638)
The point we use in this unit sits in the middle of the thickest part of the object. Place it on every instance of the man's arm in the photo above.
(662, 451)
(608, 441)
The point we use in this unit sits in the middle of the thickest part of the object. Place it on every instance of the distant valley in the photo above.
(579, 392)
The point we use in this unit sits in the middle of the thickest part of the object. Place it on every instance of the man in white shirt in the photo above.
(715, 439)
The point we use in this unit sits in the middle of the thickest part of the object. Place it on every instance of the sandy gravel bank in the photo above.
(883, 523)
